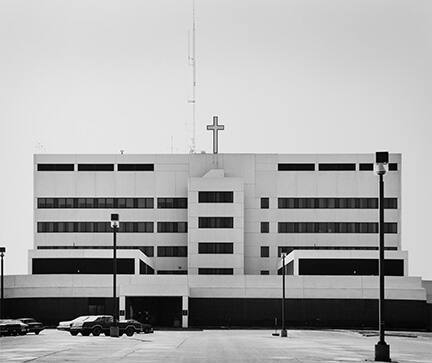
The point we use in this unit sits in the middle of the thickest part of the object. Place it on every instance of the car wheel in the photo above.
(130, 331)
(96, 331)
(74, 333)
(85, 333)
(146, 330)
(37, 332)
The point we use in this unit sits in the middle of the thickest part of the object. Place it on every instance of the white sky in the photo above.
(284, 76)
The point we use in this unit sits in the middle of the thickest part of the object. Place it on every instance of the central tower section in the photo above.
(216, 224)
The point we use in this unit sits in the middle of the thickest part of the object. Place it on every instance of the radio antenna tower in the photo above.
(192, 63)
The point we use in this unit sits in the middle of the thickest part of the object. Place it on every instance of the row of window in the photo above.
(215, 222)
(215, 197)
(110, 203)
(95, 167)
(104, 227)
(215, 248)
(331, 203)
(331, 167)
(150, 167)
(334, 227)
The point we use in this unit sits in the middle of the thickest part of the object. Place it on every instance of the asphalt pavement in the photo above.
(225, 346)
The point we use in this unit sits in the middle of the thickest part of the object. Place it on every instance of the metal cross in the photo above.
(215, 128)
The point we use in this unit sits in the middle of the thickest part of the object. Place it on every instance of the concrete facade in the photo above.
(250, 177)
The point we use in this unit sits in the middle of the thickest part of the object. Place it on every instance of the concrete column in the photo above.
(185, 311)
(122, 307)
(137, 266)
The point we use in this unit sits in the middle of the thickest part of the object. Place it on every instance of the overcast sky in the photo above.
(284, 76)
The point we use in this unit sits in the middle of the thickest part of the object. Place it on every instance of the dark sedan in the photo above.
(33, 325)
(12, 327)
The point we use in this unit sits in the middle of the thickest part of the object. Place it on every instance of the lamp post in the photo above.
(283, 330)
(114, 329)
(2, 314)
(382, 349)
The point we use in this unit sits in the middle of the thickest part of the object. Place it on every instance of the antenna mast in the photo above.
(192, 63)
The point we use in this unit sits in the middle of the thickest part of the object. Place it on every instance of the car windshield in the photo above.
(80, 318)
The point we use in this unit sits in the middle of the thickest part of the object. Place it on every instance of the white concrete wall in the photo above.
(260, 178)
(237, 286)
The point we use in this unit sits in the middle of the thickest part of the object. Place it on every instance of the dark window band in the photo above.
(334, 227)
(172, 251)
(215, 271)
(55, 167)
(296, 167)
(172, 203)
(215, 222)
(95, 167)
(335, 203)
(101, 203)
(172, 227)
(135, 167)
(337, 167)
(215, 197)
(215, 247)
(93, 227)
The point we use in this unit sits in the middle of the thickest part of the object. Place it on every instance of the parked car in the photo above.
(99, 324)
(65, 325)
(12, 327)
(146, 328)
(33, 325)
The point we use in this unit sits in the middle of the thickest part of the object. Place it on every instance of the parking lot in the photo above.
(213, 346)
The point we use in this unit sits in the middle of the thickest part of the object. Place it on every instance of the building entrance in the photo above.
(160, 311)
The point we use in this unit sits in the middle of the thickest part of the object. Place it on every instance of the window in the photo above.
(390, 203)
(393, 167)
(55, 167)
(215, 247)
(174, 203)
(172, 272)
(265, 251)
(215, 197)
(336, 167)
(334, 227)
(289, 249)
(334, 203)
(265, 203)
(95, 203)
(215, 222)
(215, 271)
(265, 272)
(172, 227)
(81, 266)
(366, 167)
(265, 227)
(296, 167)
(95, 167)
(172, 251)
(93, 227)
(135, 167)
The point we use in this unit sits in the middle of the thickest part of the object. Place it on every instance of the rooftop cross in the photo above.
(215, 128)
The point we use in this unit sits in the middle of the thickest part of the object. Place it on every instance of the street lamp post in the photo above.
(382, 349)
(2, 314)
(114, 329)
(283, 330)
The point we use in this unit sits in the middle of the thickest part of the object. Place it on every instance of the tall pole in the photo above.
(2, 314)
(115, 312)
(381, 259)
(382, 349)
(283, 331)
(114, 329)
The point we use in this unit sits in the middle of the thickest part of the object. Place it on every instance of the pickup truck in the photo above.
(100, 324)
